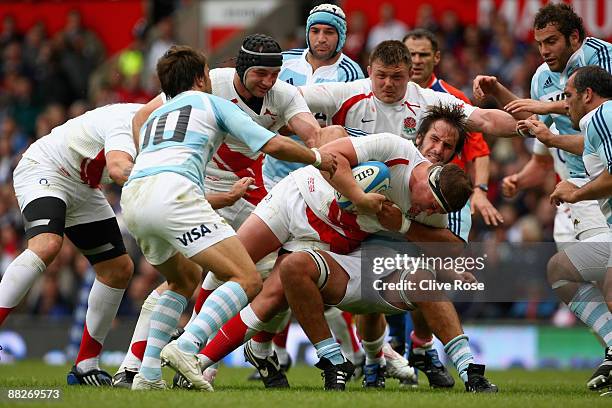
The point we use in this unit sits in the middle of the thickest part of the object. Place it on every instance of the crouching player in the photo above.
(320, 224)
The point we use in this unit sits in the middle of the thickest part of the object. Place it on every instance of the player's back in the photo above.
(80, 143)
(179, 137)
(597, 153)
(592, 52)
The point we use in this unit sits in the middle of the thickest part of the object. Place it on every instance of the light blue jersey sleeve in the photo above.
(598, 52)
(231, 119)
(599, 136)
(348, 70)
(460, 222)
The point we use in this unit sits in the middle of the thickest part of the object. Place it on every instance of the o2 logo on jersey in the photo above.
(194, 234)
(410, 125)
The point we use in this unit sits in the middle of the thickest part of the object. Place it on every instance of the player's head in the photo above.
(584, 87)
(424, 53)
(559, 32)
(442, 132)
(389, 70)
(325, 31)
(258, 63)
(446, 189)
(183, 68)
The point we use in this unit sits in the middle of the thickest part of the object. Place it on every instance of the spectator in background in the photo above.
(356, 37)
(33, 42)
(74, 31)
(387, 29)
(507, 62)
(425, 18)
(9, 32)
(164, 39)
(452, 32)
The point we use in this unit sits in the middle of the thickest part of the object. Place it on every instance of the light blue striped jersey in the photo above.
(597, 155)
(549, 86)
(182, 135)
(297, 71)
(460, 222)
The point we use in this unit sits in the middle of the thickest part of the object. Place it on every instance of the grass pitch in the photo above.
(560, 389)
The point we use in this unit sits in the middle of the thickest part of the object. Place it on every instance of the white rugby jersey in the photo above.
(78, 147)
(297, 71)
(354, 105)
(234, 160)
(347, 229)
(182, 135)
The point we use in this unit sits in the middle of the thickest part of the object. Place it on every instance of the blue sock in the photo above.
(224, 303)
(458, 350)
(329, 349)
(589, 306)
(164, 319)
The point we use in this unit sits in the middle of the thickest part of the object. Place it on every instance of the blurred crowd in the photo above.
(46, 80)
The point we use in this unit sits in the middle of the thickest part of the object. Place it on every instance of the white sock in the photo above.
(102, 307)
(340, 330)
(19, 278)
(141, 332)
(373, 350)
(282, 354)
(261, 350)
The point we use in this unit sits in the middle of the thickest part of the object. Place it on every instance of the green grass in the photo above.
(525, 389)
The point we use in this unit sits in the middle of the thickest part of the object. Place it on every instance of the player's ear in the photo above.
(574, 39)
(369, 71)
(437, 57)
(588, 95)
(418, 140)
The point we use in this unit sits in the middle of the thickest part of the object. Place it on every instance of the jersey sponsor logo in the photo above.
(548, 83)
(311, 184)
(410, 125)
(363, 120)
(194, 234)
(557, 97)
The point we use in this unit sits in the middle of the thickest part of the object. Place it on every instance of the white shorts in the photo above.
(283, 210)
(591, 257)
(167, 213)
(563, 231)
(587, 218)
(361, 297)
(33, 180)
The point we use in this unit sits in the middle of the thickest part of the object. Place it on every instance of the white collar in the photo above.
(586, 119)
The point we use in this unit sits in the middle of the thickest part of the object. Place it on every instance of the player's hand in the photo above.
(370, 203)
(483, 86)
(466, 277)
(527, 105)
(479, 202)
(390, 216)
(537, 129)
(564, 193)
(240, 188)
(510, 185)
(328, 163)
